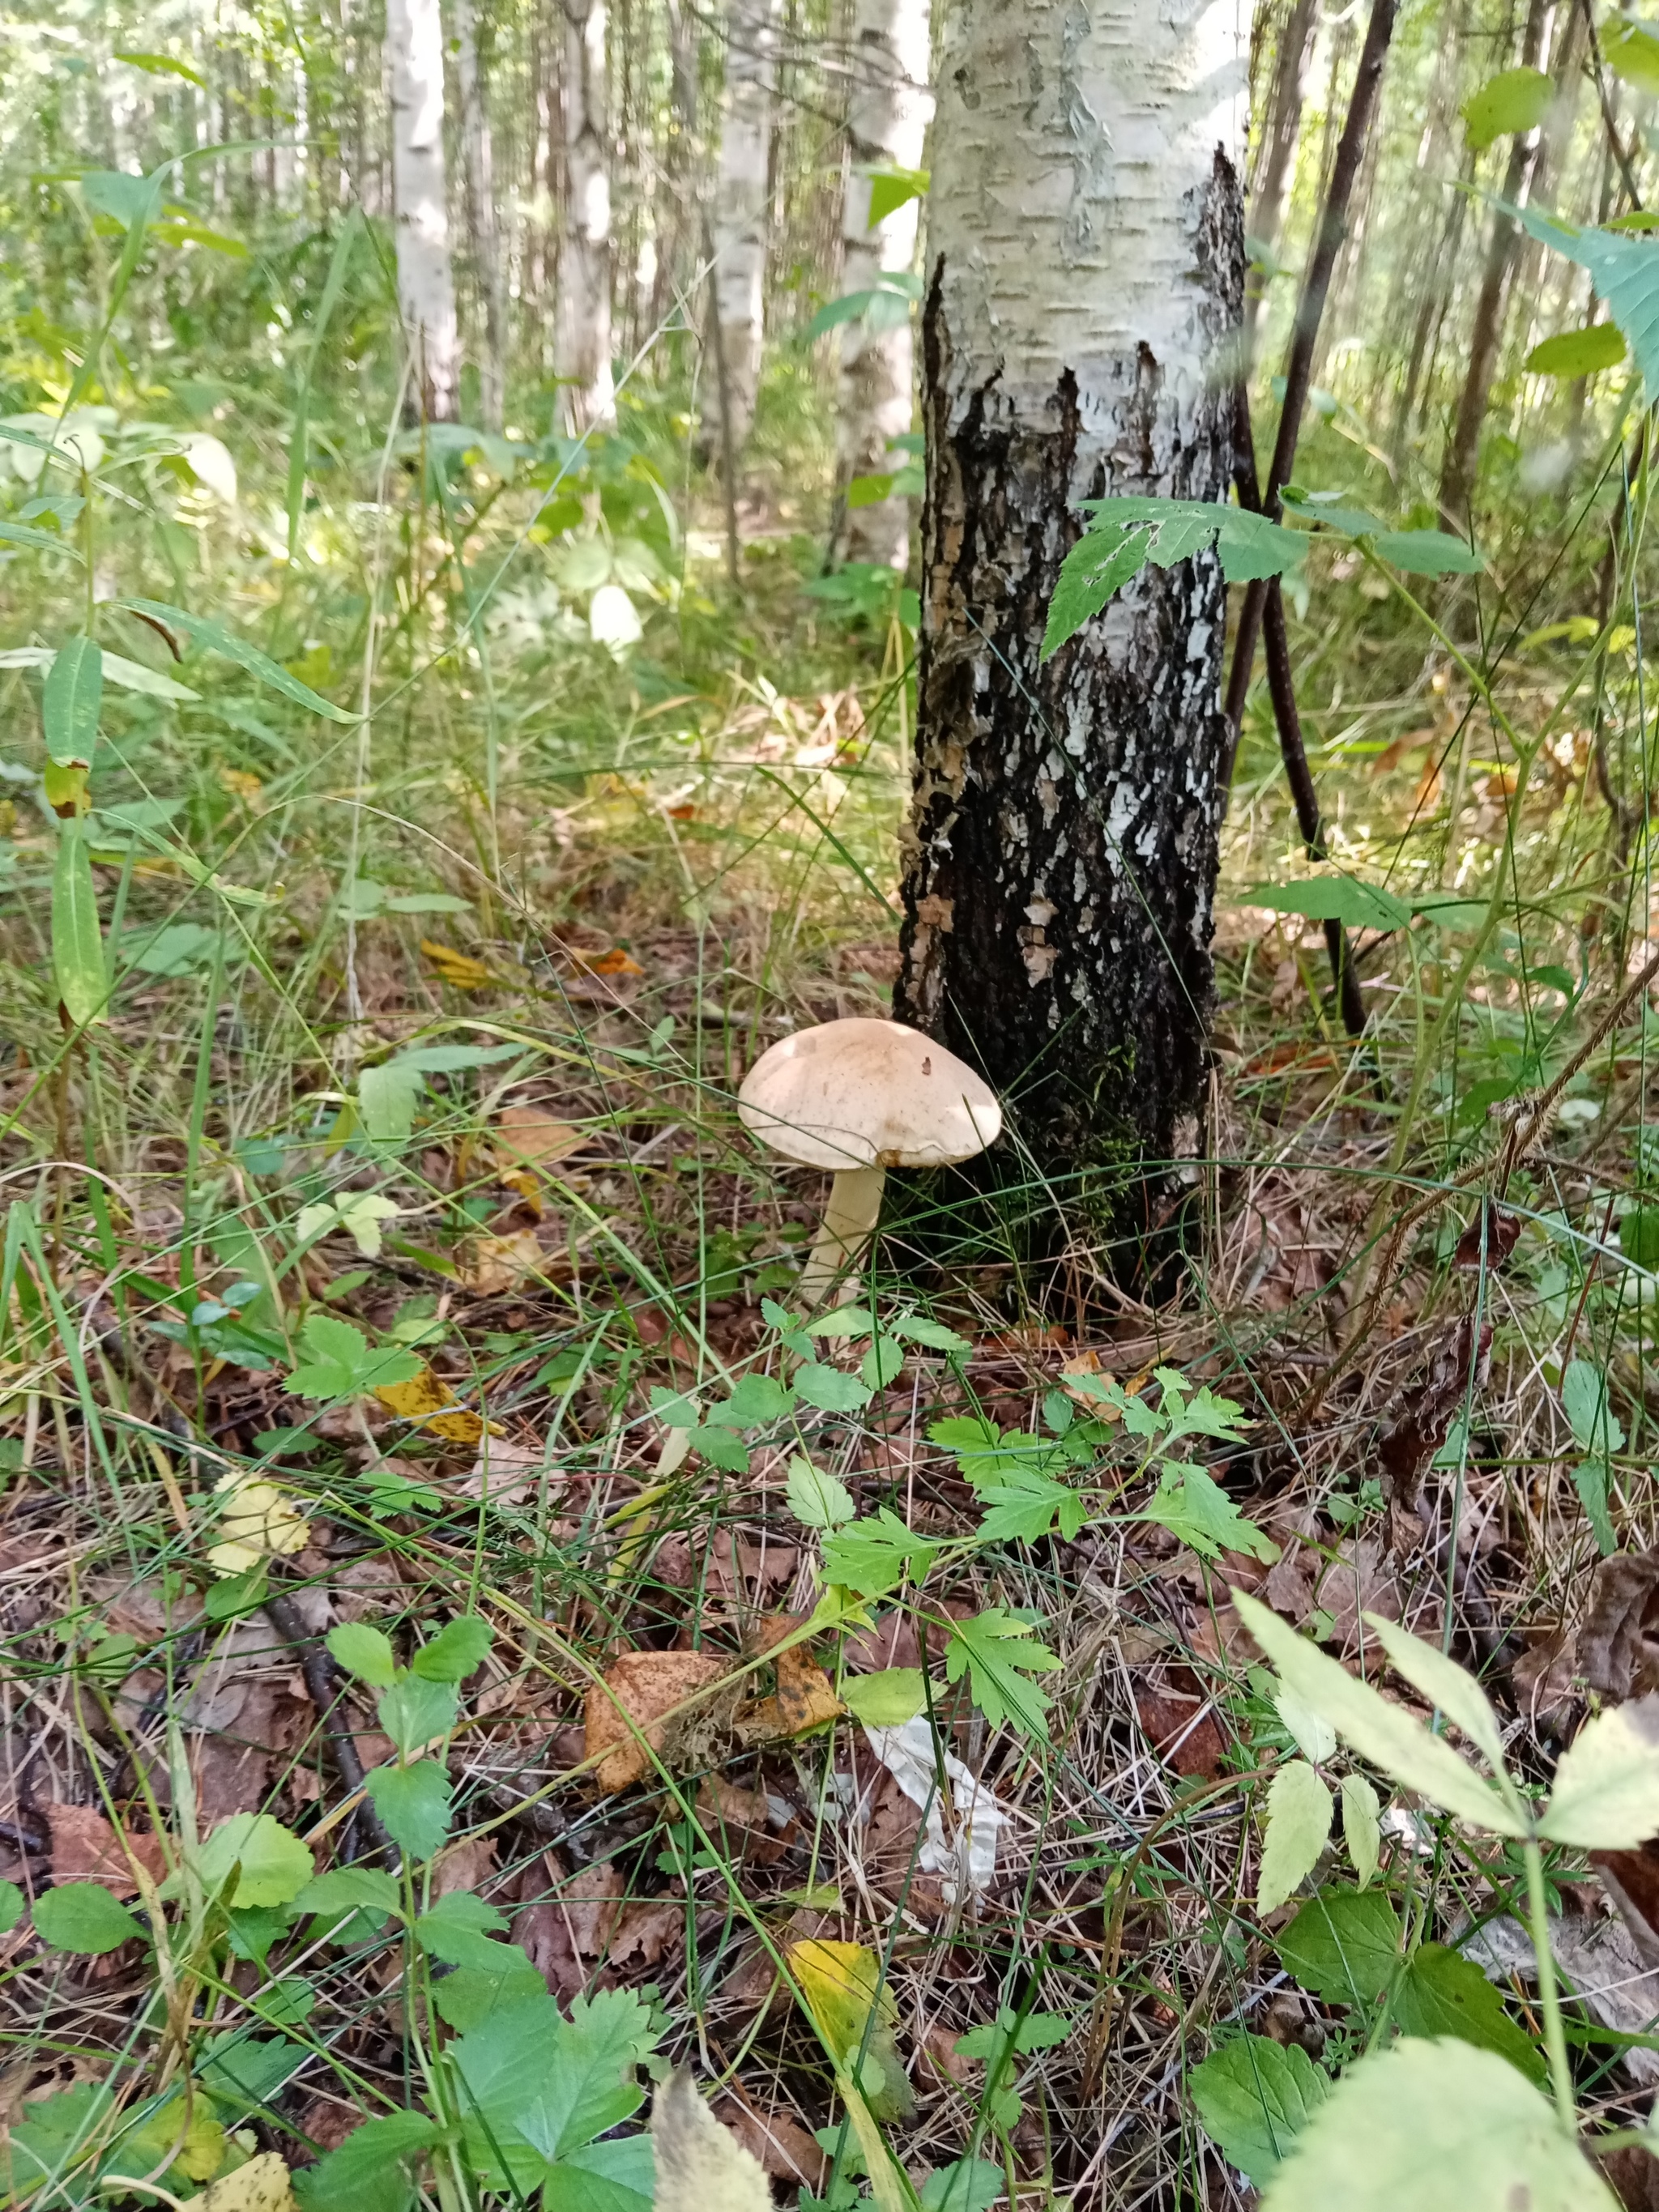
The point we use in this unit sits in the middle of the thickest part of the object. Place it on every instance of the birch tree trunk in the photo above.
(739, 217)
(1276, 164)
(483, 236)
(426, 282)
(581, 344)
(887, 121)
(1084, 306)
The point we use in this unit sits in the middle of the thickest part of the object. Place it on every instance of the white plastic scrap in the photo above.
(961, 1829)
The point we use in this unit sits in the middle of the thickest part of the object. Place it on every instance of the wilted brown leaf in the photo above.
(783, 2145)
(489, 1265)
(641, 1690)
(1179, 1728)
(1499, 1231)
(531, 1137)
(615, 962)
(85, 1847)
(1423, 1420)
(805, 1700)
(647, 1934)
(1619, 1639)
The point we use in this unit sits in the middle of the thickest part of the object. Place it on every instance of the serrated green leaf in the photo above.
(882, 1364)
(274, 1865)
(82, 1918)
(997, 1654)
(348, 1889)
(756, 1400)
(721, 1447)
(1255, 2097)
(1439, 2126)
(1584, 1402)
(458, 1650)
(1442, 1993)
(886, 1698)
(829, 1389)
(462, 1930)
(341, 1364)
(1299, 1810)
(414, 1805)
(1427, 553)
(872, 1556)
(1194, 1507)
(1344, 1945)
(1444, 1683)
(213, 637)
(1606, 1796)
(71, 700)
(363, 1651)
(413, 1712)
(1515, 100)
(817, 1500)
(1384, 1734)
(1361, 1828)
(369, 2171)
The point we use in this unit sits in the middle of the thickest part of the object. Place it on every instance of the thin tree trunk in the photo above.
(740, 213)
(488, 270)
(426, 283)
(1083, 308)
(1276, 168)
(887, 127)
(582, 311)
(1461, 460)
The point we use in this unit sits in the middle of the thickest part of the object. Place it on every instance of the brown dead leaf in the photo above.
(85, 1847)
(1500, 1232)
(1619, 1639)
(1086, 1362)
(1544, 1677)
(505, 1474)
(1632, 2174)
(1358, 1583)
(465, 1865)
(531, 1137)
(489, 1265)
(647, 1934)
(145, 1611)
(457, 968)
(1423, 1419)
(1183, 1733)
(643, 1689)
(783, 2145)
(805, 1701)
(1631, 1879)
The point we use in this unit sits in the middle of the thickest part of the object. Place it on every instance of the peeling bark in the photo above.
(1084, 300)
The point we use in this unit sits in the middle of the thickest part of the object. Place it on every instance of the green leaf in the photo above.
(721, 1447)
(1442, 1993)
(162, 65)
(369, 2171)
(1606, 1796)
(1299, 1809)
(413, 1712)
(1632, 51)
(275, 1866)
(969, 2185)
(1344, 1945)
(1334, 898)
(1427, 553)
(77, 944)
(213, 637)
(891, 189)
(882, 1363)
(841, 1321)
(12, 1902)
(461, 1928)
(1584, 1402)
(386, 1098)
(817, 1500)
(872, 1556)
(1579, 353)
(1515, 100)
(993, 1649)
(83, 1917)
(458, 1650)
(414, 1805)
(471, 1995)
(756, 1400)
(1194, 1507)
(1444, 1683)
(886, 1698)
(1026, 1505)
(1389, 1737)
(341, 1363)
(538, 2089)
(71, 701)
(348, 1889)
(38, 541)
(1255, 2097)
(1362, 1830)
(1439, 2126)
(1591, 1478)
(1624, 271)
(932, 1335)
(1093, 572)
(829, 1389)
(365, 1652)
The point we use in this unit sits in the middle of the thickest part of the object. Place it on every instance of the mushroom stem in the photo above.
(849, 1221)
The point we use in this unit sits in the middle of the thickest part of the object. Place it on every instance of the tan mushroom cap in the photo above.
(866, 1094)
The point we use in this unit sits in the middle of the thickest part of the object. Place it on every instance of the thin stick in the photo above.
(1310, 309)
(322, 1682)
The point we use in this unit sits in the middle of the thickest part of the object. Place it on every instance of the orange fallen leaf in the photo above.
(640, 1692)
(804, 1698)
(614, 963)
(489, 1265)
(460, 968)
(241, 785)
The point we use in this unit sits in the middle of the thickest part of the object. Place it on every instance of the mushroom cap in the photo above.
(864, 1094)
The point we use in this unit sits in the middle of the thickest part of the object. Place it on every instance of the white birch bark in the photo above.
(581, 339)
(740, 211)
(426, 283)
(887, 121)
(1085, 242)
(483, 234)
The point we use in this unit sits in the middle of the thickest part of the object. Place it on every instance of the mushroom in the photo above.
(859, 1097)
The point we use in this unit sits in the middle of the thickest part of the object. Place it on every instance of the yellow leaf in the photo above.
(258, 1523)
(488, 1265)
(422, 1395)
(460, 968)
(854, 2013)
(262, 2186)
(701, 2166)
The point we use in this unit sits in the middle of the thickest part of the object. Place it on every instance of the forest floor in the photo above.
(296, 1346)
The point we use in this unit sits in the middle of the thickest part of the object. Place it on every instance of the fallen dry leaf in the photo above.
(258, 1523)
(615, 962)
(85, 1847)
(1180, 1728)
(1422, 1421)
(1619, 1640)
(263, 2184)
(491, 1265)
(641, 1690)
(427, 1399)
(459, 969)
(805, 1700)
(529, 1136)
(783, 2145)
(1086, 1363)
(504, 1473)
(647, 1934)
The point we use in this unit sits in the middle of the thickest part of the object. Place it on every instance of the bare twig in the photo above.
(322, 1680)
